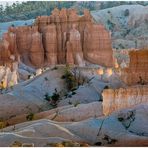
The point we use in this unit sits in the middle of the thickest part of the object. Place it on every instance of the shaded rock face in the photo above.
(124, 98)
(96, 45)
(137, 72)
(63, 37)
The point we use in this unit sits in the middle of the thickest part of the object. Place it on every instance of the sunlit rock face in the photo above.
(137, 72)
(116, 99)
(63, 37)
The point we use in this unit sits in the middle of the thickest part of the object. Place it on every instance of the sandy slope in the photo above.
(45, 131)
(28, 96)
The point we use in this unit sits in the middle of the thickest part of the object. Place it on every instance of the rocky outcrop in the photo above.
(137, 72)
(63, 37)
(50, 43)
(96, 46)
(36, 50)
(124, 98)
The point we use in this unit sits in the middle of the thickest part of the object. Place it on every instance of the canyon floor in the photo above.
(77, 119)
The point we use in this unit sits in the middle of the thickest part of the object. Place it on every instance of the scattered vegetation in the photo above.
(141, 81)
(106, 87)
(105, 140)
(121, 46)
(67, 144)
(126, 12)
(69, 102)
(28, 145)
(46, 79)
(2, 124)
(30, 117)
(16, 144)
(73, 79)
(76, 103)
(29, 76)
(69, 79)
(53, 99)
(31, 9)
(111, 25)
(47, 97)
(127, 118)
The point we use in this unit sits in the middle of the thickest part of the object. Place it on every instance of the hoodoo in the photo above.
(137, 72)
(61, 38)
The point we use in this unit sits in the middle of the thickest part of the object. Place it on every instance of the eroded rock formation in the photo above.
(63, 37)
(137, 72)
(116, 99)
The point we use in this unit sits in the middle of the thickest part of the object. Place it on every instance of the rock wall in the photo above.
(138, 68)
(123, 98)
(63, 37)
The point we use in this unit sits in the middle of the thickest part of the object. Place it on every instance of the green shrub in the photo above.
(111, 25)
(69, 78)
(47, 97)
(30, 117)
(126, 12)
(53, 99)
(46, 79)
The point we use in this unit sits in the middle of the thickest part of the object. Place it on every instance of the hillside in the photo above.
(128, 24)
(31, 9)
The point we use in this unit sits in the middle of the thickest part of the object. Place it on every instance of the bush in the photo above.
(70, 79)
(126, 12)
(111, 25)
(76, 103)
(106, 87)
(55, 97)
(47, 97)
(30, 116)
(52, 99)
(46, 79)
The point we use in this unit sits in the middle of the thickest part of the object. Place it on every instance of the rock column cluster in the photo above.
(64, 37)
